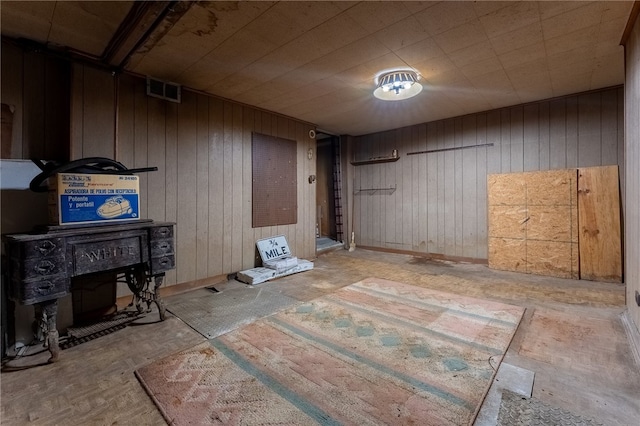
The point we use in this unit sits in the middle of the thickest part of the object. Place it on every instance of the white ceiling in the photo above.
(317, 61)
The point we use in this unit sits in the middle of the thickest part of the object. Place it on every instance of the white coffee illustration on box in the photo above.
(114, 207)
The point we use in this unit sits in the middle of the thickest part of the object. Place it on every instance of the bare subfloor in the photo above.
(572, 337)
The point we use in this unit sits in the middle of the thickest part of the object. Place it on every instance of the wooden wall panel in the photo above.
(481, 185)
(572, 134)
(590, 129)
(450, 186)
(531, 135)
(203, 149)
(125, 152)
(33, 104)
(12, 95)
(469, 199)
(631, 172)
(227, 185)
(544, 135)
(56, 106)
(156, 157)
(186, 219)
(94, 114)
(216, 186)
(236, 201)
(140, 143)
(599, 224)
(202, 203)
(516, 139)
(407, 194)
(171, 173)
(35, 87)
(248, 232)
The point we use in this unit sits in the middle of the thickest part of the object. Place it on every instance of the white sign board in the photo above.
(273, 248)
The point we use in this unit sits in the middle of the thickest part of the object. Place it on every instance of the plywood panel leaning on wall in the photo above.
(552, 225)
(533, 223)
(599, 224)
(507, 222)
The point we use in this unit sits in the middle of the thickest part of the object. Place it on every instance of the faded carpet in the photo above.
(374, 352)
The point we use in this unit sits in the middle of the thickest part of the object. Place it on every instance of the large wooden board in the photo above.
(533, 223)
(599, 224)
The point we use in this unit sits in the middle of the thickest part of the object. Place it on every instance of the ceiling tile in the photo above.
(614, 10)
(569, 22)
(286, 21)
(582, 38)
(374, 16)
(349, 56)
(450, 80)
(460, 37)
(529, 94)
(523, 55)
(549, 9)
(162, 68)
(87, 25)
(252, 50)
(39, 15)
(402, 34)
(604, 75)
(529, 74)
(417, 6)
(205, 29)
(445, 16)
(612, 30)
(419, 52)
(367, 71)
(434, 67)
(525, 36)
(486, 7)
(568, 82)
(481, 67)
(204, 73)
(510, 18)
(473, 54)
(579, 58)
(492, 82)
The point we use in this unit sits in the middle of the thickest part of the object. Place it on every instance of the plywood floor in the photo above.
(571, 336)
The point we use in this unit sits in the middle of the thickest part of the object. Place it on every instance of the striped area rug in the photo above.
(375, 352)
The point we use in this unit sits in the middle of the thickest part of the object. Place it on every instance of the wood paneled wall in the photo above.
(92, 113)
(202, 148)
(440, 202)
(632, 170)
(36, 87)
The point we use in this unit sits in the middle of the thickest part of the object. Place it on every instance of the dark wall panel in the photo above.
(35, 87)
(274, 178)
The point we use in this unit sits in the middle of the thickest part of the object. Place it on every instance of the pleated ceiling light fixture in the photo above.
(397, 85)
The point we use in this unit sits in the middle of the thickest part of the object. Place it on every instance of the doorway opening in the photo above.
(329, 234)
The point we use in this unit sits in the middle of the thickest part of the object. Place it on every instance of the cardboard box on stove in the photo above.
(79, 198)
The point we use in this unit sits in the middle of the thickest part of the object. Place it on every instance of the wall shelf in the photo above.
(375, 160)
(371, 191)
